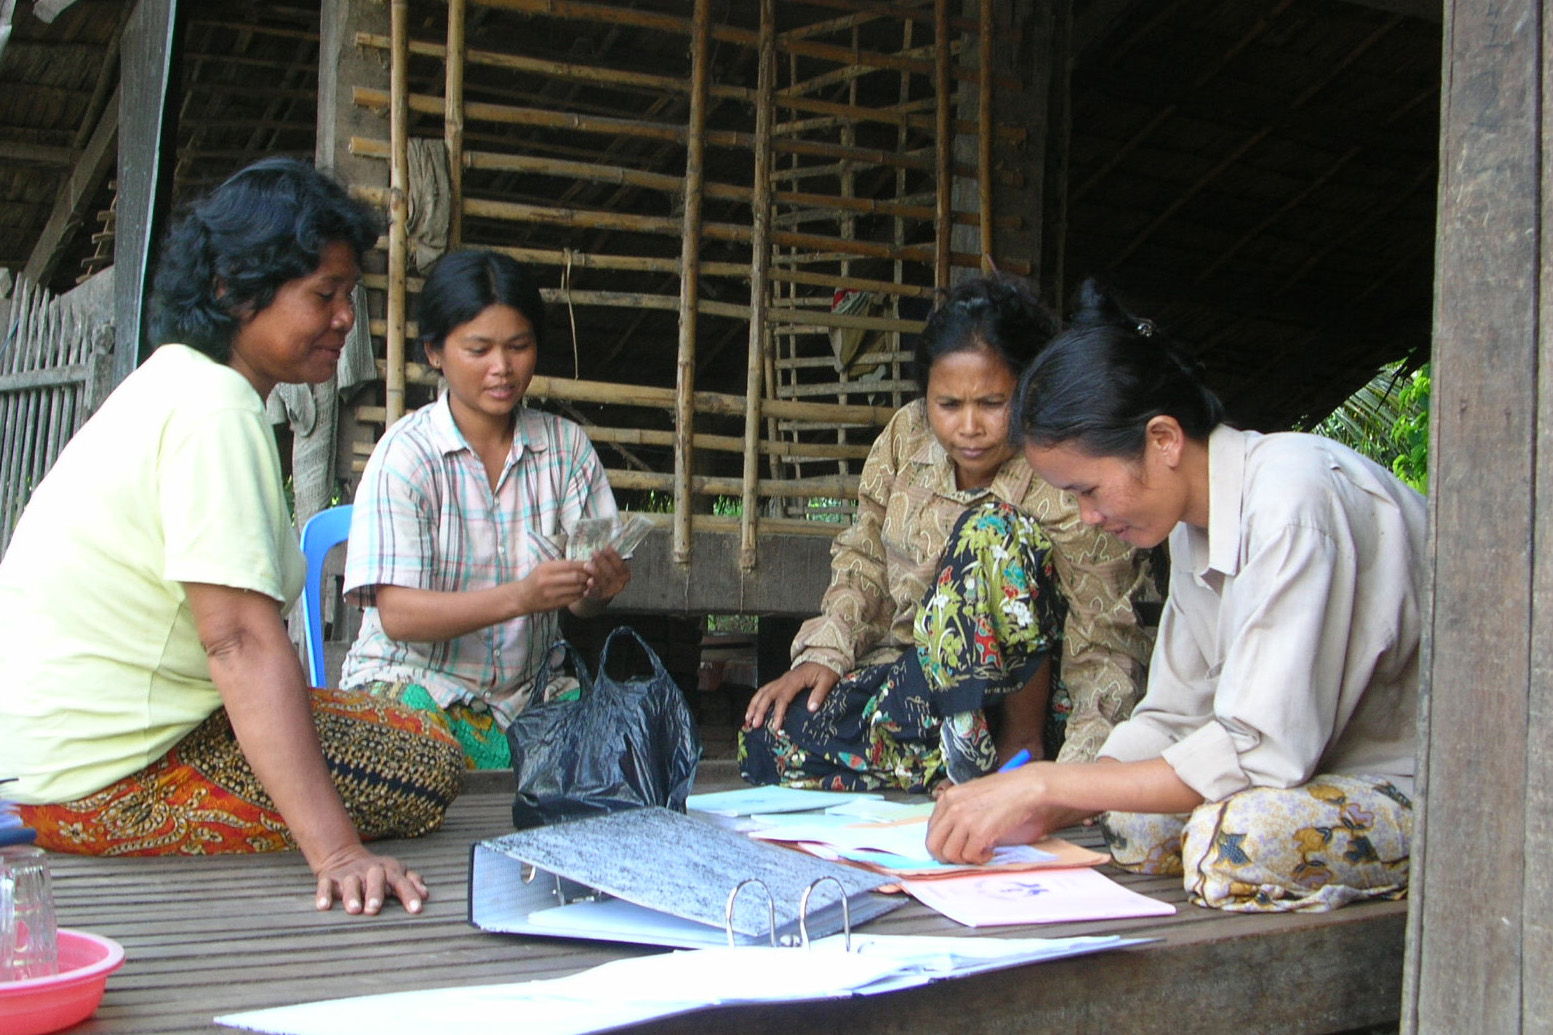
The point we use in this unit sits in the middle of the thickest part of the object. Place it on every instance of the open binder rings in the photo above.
(652, 876)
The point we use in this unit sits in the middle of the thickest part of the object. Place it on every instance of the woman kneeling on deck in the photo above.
(970, 614)
(152, 701)
(459, 534)
(1271, 758)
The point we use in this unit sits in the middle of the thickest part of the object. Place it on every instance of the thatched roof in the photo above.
(1258, 176)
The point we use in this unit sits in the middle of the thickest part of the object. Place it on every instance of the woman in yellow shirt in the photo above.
(153, 702)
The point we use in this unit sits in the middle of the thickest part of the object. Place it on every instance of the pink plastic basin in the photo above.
(40, 1005)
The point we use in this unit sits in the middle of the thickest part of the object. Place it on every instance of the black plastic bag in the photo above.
(621, 745)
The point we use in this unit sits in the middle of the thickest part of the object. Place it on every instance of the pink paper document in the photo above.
(1033, 897)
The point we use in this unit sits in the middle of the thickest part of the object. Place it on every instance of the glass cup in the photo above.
(28, 944)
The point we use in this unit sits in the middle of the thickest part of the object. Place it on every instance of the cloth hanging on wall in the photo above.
(428, 213)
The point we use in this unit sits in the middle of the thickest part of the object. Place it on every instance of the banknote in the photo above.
(593, 534)
(589, 537)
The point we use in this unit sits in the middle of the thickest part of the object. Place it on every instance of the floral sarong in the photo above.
(989, 622)
(396, 770)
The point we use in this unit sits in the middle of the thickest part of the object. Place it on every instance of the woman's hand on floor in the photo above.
(775, 697)
(361, 881)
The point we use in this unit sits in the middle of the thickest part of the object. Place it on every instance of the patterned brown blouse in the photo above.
(881, 567)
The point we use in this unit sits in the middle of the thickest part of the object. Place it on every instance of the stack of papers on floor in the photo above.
(634, 990)
(754, 801)
(1051, 881)
(899, 847)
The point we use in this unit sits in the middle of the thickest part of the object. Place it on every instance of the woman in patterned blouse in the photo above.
(970, 615)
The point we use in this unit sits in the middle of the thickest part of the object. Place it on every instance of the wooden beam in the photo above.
(37, 154)
(1428, 10)
(453, 119)
(1479, 951)
(148, 119)
(75, 195)
(685, 368)
(760, 295)
(398, 205)
(984, 61)
(943, 168)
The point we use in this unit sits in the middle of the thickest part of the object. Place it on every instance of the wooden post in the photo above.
(85, 180)
(898, 237)
(398, 204)
(326, 454)
(1052, 242)
(453, 121)
(147, 117)
(943, 222)
(1479, 952)
(690, 270)
(984, 56)
(760, 265)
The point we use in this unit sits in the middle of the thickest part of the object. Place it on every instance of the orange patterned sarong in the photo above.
(396, 769)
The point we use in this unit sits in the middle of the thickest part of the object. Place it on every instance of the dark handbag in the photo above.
(621, 744)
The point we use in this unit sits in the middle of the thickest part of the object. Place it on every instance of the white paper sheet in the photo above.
(749, 801)
(1034, 897)
(896, 845)
(633, 990)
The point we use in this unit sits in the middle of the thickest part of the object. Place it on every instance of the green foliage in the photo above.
(1388, 421)
(656, 502)
(823, 508)
(1411, 431)
(747, 624)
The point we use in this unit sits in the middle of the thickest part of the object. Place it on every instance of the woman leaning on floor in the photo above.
(153, 702)
(1271, 759)
(962, 579)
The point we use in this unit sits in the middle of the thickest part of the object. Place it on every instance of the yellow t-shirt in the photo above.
(176, 479)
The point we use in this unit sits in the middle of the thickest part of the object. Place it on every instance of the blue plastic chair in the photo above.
(323, 531)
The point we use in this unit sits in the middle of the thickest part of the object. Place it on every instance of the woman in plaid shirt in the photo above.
(458, 538)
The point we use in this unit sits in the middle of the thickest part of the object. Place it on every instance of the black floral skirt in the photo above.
(985, 627)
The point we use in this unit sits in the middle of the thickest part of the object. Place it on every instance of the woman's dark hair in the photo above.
(1099, 383)
(231, 251)
(462, 284)
(1000, 313)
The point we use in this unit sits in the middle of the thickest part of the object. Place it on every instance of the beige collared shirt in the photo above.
(1289, 642)
(881, 567)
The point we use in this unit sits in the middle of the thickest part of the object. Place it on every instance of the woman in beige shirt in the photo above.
(1271, 759)
(962, 578)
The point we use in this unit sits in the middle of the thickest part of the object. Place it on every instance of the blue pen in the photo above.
(1020, 758)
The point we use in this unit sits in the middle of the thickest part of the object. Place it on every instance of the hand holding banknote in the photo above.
(593, 534)
(604, 545)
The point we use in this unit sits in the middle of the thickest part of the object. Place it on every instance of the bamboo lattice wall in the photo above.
(739, 217)
(55, 368)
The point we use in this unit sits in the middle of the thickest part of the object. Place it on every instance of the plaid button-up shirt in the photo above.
(426, 517)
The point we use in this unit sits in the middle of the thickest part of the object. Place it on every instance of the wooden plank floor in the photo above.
(211, 936)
